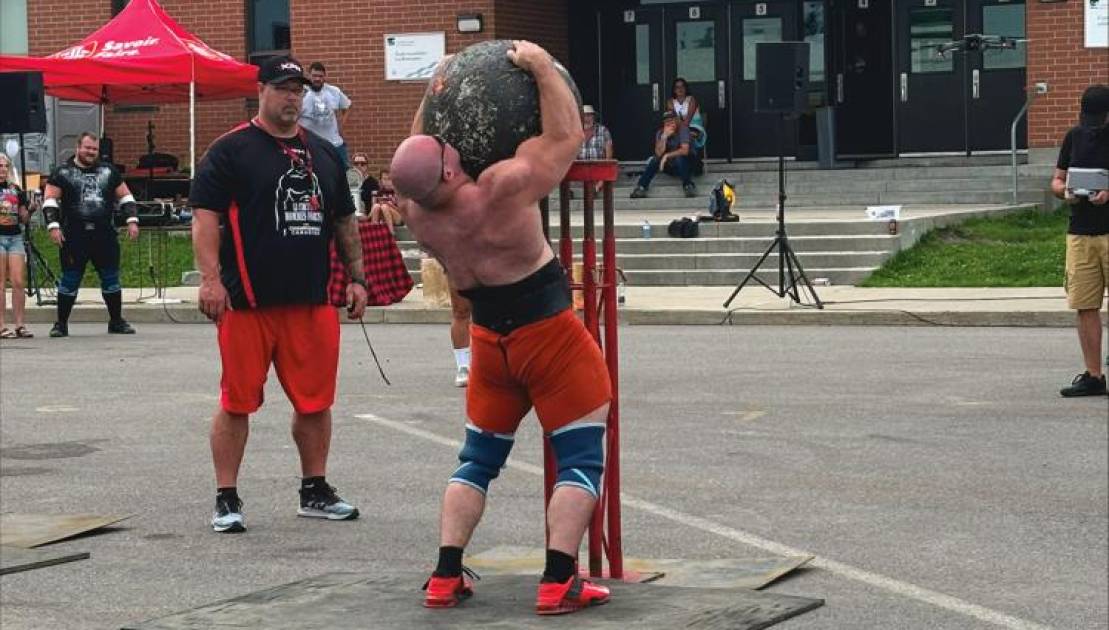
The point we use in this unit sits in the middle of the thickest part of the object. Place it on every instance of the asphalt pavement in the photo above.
(935, 472)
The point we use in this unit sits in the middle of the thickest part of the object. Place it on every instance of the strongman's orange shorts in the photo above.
(552, 364)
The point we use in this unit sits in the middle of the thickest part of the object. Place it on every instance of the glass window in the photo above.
(755, 32)
(269, 26)
(928, 28)
(1007, 20)
(814, 34)
(642, 54)
(13, 27)
(696, 44)
(117, 6)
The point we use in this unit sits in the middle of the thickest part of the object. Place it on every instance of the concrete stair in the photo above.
(833, 240)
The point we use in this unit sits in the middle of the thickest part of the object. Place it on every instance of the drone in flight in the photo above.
(975, 42)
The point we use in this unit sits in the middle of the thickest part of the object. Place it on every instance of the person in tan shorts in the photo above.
(1087, 146)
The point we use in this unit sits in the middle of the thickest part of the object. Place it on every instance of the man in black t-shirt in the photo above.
(268, 198)
(1087, 146)
(79, 207)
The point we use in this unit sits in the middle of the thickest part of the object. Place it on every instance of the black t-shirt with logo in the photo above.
(1086, 147)
(278, 204)
(88, 193)
(11, 199)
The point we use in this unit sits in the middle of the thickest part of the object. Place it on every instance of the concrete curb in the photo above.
(187, 313)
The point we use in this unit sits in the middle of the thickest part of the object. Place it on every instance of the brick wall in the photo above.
(347, 37)
(541, 21)
(1056, 55)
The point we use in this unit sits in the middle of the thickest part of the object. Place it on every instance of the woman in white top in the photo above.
(685, 106)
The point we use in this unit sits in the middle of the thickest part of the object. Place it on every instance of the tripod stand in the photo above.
(39, 276)
(788, 265)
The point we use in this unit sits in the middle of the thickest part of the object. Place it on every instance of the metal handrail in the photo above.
(1031, 96)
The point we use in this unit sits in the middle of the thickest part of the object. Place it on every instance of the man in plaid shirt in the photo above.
(598, 141)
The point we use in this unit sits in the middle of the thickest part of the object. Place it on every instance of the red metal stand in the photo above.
(599, 312)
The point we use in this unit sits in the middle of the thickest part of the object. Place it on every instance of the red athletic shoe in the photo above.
(446, 592)
(572, 595)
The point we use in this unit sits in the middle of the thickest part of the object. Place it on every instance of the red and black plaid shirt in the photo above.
(387, 279)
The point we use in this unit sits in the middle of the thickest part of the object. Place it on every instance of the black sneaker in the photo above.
(120, 327)
(320, 501)
(639, 192)
(59, 330)
(228, 518)
(690, 190)
(1085, 385)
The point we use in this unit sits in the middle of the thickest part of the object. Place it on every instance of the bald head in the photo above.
(418, 167)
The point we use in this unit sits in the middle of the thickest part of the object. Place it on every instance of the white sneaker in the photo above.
(462, 377)
(228, 517)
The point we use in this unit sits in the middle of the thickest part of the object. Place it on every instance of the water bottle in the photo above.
(645, 230)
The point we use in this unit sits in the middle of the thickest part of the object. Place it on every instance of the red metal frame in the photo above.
(600, 311)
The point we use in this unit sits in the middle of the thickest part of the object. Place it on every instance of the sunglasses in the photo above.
(361, 163)
(442, 156)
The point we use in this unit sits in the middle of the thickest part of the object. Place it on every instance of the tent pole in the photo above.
(103, 107)
(192, 129)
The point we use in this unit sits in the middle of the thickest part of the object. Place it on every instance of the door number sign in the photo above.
(760, 8)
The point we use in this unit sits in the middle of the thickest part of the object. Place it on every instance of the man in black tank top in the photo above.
(80, 204)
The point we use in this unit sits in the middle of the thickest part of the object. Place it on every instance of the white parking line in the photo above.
(905, 589)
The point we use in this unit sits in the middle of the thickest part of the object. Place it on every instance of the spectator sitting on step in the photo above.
(359, 180)
(673, 155)
(598, 140)
(381, 200)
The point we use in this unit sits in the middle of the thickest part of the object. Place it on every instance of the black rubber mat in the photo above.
(16, 559)
(351, 600)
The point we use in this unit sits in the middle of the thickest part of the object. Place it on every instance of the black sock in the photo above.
(312, 482)
(65, 306)
(114, 302)
(227, 493)
(450, 562)
(560, 567)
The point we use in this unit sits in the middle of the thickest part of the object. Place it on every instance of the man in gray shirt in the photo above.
(325, 109)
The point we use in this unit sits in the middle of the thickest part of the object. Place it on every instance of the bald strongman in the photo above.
(529, 350)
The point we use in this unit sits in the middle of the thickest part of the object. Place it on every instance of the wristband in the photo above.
(360, 282)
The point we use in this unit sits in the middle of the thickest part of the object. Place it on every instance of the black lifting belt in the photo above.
(505, 308)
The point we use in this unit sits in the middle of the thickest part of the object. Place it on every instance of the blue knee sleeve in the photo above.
(579, 452)
(109, 280)
(483, 455)
(70, 281)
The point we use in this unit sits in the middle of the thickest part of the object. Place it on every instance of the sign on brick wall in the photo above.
(413, 56)
(1097, 23)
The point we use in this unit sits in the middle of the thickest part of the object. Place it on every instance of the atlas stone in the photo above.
(483, 105)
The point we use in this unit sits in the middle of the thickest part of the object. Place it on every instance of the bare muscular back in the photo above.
(480, 240)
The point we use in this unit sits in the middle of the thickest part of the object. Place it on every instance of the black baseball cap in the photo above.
(280, 69)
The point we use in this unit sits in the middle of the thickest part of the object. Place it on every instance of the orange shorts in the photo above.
(552, 364)
(302, 342)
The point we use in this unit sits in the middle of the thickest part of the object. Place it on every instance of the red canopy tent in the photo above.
(142, 56)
